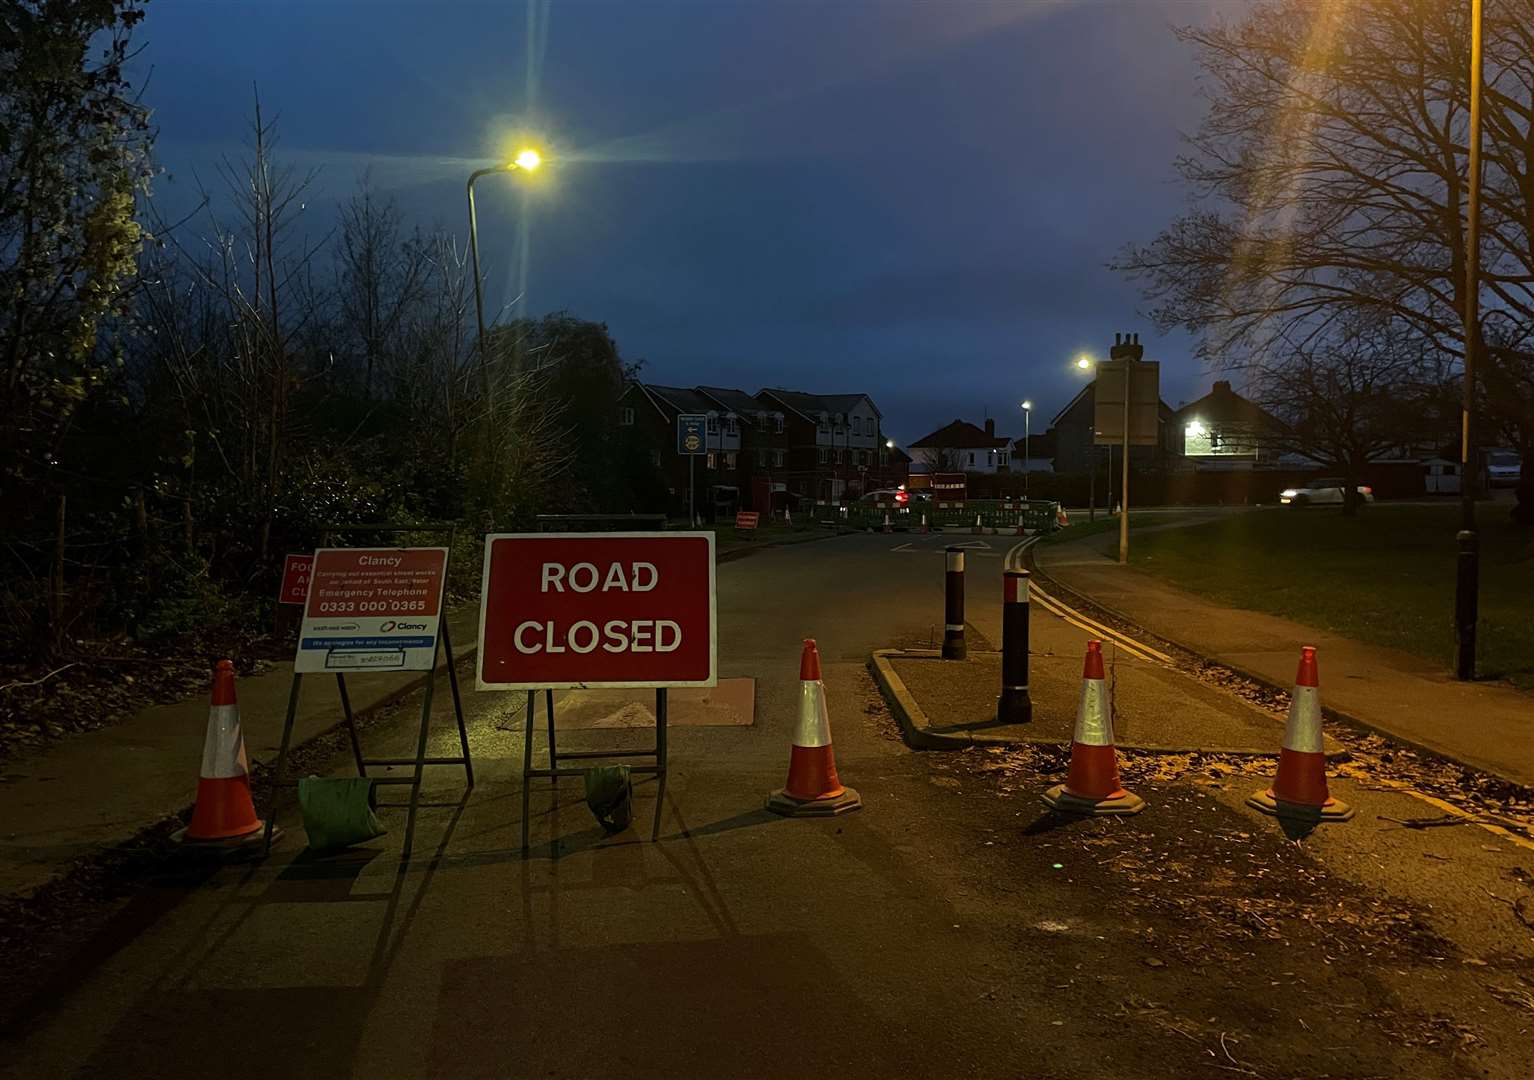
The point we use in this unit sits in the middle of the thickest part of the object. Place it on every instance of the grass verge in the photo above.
(1385, 577)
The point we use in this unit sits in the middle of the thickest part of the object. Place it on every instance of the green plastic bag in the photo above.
(610, 794)
(338, 811)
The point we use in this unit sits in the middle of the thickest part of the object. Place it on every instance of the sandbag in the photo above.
(338, 811)
(610, 795)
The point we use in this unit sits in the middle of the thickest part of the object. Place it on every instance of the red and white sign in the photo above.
(569, 610)
(295, 579)
(746, 519)
(372, 609)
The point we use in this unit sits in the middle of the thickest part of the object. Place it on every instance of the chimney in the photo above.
(1222, 386)
(990, 429)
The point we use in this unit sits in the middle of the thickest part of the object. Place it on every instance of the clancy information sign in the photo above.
(372, 609)
(567, 610)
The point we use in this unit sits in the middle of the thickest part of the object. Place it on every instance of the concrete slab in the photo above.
(730, 704)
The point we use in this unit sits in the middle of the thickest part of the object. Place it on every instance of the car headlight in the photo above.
(1289, 493)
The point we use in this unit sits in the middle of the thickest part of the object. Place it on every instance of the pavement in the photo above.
(98, 790)
(1485, 725)
(951, 927)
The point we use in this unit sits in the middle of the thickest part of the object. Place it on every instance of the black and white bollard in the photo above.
(1015, 706)
(953, 606)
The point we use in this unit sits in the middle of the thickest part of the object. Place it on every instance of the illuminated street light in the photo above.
(1027, 421)
(1084, 362)
(526, 160)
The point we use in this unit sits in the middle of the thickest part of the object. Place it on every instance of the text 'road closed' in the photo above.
(602, 609)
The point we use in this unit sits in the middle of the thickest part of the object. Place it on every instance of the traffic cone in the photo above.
(1063, 519)
(924, 528)
(225, 816)
(1299, 789)
(813, 789)
(1093, 784)
(887, 526)
(977, 525)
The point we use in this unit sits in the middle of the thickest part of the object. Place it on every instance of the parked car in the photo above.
(1324, 492)
(1504, 468)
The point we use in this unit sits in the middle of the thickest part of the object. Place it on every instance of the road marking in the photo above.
(1062, 610)
(972, 544)
(1450, 808)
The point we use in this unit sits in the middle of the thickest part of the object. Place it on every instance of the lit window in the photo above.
(626, 417)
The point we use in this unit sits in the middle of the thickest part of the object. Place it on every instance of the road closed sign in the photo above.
(569, 610)
(372, 609)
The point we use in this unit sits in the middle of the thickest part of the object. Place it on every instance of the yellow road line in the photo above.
(1450, 808)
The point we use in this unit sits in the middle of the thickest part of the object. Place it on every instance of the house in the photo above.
(836, 448)
(1076, 449)
(1037, 456)
(962, 447)
(764, 450)
(1223, 430)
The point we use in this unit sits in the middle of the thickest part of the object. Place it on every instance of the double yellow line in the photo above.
(1139, 650)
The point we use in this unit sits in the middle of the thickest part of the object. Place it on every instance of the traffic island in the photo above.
(951, 705)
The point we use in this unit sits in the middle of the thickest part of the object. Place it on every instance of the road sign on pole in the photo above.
(691, 443)
(575, 610)
(1127, 408)
(295, 579)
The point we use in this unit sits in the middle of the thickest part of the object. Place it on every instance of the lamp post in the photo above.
(1027, 421)
(526, 161)
(1084, 363)
(1467, 578)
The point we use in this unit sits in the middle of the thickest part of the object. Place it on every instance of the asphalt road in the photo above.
(947, 929)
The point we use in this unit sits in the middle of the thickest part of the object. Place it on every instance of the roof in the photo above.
(810, 406)
(959, 433)
(1164, 411)
(1224, 404)
(676, 400)
(736, 401)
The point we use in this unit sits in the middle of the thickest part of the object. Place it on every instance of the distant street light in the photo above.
(1086, 363)
(1027, 417)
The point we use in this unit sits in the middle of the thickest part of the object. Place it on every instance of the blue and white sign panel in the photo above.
(691, 434)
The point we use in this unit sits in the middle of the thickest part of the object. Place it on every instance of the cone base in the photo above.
(1122, 803)
(229, 847)
(846, 801)
(1331, 810)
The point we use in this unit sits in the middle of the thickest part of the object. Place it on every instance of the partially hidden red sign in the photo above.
(570, 610)
(295, 579)
(746, 519)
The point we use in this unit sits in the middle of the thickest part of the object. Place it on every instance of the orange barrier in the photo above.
(1299, 790)
(1092, 787)
(813, 788)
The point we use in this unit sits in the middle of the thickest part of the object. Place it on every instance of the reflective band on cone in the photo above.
(224, 813)
(887, 526)
(1092, 787)
(813, 788)
(1299, 790)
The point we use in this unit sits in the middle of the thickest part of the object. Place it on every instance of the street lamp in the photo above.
(1027, 419)
(527, 160)
(1085, 363)
(1466, 582)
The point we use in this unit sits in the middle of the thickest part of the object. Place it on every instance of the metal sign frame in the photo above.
(443, 645)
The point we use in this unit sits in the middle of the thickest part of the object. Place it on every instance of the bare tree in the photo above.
(1328, 180)
(378, 276)
(942, 459)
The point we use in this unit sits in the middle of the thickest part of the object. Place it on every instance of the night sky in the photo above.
(912, 200)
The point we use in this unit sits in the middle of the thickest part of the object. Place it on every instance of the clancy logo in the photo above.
(385, 628)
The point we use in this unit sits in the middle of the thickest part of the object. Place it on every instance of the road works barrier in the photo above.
(224, 817)
(1092, 787)
(377, 609)
(1015, 705)
(1299, 790)
(813, 788)
(597, 610)
(953, 605)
